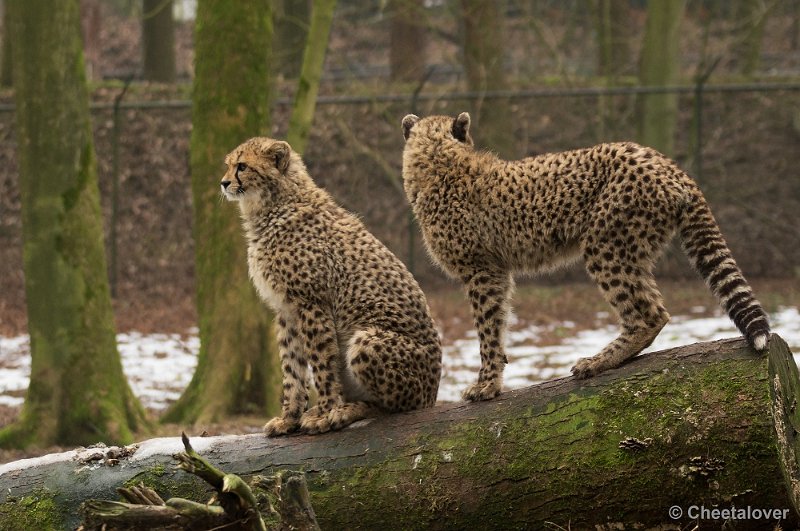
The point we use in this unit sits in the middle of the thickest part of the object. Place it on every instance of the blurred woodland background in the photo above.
(715, 84)
(567, 72)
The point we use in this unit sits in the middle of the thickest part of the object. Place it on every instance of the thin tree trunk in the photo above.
(659, 66)
(78, 393)
(485, 72)
(158, 41)
(613, 34)
(291, 32)
(613, 54)
(5, 59)
(751, 17)
(407, 50)
(305, 100)
(238, 370)
(711, 424)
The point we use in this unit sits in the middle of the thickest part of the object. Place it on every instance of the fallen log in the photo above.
(709, 430)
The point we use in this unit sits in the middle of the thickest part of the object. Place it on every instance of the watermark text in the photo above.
(700, 512)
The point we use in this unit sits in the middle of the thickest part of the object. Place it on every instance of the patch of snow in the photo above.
(22, 464)
(160, 366)
(530, 363)
(169, 446)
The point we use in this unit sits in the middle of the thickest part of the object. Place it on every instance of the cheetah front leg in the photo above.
(294, 395)
(322, 348)
(488, 295)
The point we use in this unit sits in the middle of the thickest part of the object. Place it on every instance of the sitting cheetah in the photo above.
(615, 205)
(344, 304)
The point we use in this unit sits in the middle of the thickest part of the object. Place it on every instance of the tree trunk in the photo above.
(291, 31)
(612, 20)
(751, 17)
(5, 58)
(659, 66)
(158, 41)
(305, 100)
(238, 370)
(612, 23)
(407, 50)
(711, 424)
(78, 393)
(483, 65)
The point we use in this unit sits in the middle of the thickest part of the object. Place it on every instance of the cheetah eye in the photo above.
(241, 167)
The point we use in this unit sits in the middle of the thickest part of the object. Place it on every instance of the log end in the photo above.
(785, 395)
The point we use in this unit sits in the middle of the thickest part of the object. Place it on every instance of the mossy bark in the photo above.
(78, 393)
(688, 426)
(238, 369)
(659, 66)
(305, 99)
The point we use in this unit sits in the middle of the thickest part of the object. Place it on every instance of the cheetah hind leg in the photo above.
(642, 315)
(383, 377)
(393, 370)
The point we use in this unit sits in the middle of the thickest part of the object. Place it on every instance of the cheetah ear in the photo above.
(280, 153)
(408, 122)
(461, 127)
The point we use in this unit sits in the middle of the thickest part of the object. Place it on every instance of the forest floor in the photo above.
(551, 327)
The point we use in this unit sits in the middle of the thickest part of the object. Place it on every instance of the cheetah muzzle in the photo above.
(614, 205)
(344, 305)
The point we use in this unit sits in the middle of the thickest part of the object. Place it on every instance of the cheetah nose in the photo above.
(225, 184)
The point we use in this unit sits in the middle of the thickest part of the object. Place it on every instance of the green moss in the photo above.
(494, 467)
(35, 511)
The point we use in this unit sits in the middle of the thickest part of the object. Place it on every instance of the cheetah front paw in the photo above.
(482, 390)
(588, 367)
(280, 426)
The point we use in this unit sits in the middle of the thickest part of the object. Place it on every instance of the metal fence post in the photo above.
(115, 132)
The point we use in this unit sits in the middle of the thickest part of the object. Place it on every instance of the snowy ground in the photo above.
(159, 366)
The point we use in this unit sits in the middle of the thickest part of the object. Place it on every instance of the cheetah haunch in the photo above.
(344, 304)
(614, 205)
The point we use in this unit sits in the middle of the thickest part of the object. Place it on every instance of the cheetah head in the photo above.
(259, 169)
(438, 127)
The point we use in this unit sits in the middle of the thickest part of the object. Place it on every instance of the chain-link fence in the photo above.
(739, 141)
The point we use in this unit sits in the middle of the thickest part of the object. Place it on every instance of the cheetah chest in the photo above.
(267, 289)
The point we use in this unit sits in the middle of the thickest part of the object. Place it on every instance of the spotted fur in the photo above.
(344, 304)
(614, 205)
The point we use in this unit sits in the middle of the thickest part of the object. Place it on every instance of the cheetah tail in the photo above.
(710, 256)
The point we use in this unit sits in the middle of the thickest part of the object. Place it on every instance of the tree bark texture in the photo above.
(78, 393)
(238, 369)
(711, 424)
(158, 41)
(659, 66)
(484, 67)
(305, 99)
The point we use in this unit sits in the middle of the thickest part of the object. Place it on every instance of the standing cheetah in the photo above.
(615, 205)
(344, 304)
